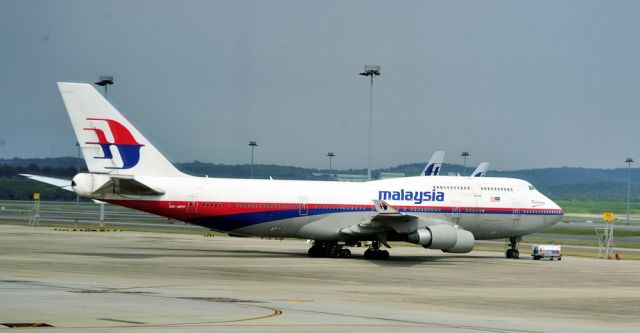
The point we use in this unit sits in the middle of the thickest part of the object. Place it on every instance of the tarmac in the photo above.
(154, 282)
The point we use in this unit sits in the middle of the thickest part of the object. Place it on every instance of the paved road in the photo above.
(149, 282)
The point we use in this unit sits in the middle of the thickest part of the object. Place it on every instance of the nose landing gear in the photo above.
(512, 252)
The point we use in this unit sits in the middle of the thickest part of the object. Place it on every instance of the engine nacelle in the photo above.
(439, 236)
(464, 243)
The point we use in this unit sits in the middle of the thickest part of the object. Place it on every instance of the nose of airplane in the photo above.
(556, 217)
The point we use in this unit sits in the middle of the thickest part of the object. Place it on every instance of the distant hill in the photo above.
(559, 183)
(54, 162)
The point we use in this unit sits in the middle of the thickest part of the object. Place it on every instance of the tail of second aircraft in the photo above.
(434, 165)
(109, 143)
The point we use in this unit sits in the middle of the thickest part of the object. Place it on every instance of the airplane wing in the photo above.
(387, 213)
(434, 165)
(387, 218)
(62, 183)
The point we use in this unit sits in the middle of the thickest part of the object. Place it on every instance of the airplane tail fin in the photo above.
(434, 165)
(109, 143)
(481, 170)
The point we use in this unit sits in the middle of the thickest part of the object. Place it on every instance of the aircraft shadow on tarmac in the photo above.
(393, 261)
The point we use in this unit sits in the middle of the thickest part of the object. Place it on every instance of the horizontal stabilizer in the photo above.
(64, 184)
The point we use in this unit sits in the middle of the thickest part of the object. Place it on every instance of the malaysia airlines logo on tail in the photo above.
(123, 140)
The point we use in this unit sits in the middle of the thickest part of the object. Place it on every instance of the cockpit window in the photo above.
(531, 188)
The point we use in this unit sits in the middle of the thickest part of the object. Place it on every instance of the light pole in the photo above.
(370, 70)
(253, 145)
(330, 155)
(105, 81)
(465, 154)
(629, 160)
(78, 171)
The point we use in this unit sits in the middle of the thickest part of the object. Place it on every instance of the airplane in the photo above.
(442, 213)
(481, 170)
(435, 163)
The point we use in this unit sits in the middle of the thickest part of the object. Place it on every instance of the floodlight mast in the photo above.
(629, 160)
(465, 154)
(105, 81)
(330, 155)
(253, 145)
(370, 70)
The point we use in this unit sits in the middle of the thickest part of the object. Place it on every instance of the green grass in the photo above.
(598, 207)
(590, 232)
(165, 230)
(579, 242)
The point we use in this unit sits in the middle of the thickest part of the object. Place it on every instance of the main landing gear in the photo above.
(323, 249)
(375, 253)
(328, 250)
(512, 252)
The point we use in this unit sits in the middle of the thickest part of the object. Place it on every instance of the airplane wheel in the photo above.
(516, 254)
(509, 253)
(315, 252)
(536, 258)
(345, 253)
(384, 255)
(334, 252)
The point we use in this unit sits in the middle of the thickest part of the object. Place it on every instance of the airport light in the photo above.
(253, 145)
(330, 155)
(78, 171)
(105, 81)
(370, 70)
(629, 160)
(465, 154)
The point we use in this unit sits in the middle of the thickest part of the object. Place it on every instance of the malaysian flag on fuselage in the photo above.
(494, 199)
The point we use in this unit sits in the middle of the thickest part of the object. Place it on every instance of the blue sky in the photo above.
(518, 84)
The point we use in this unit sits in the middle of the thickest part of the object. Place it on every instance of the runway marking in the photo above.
(121, 321)
(423, 323)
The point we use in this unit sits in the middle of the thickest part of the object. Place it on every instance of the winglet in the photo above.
(384, 208)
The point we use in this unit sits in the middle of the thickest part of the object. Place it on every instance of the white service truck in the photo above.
(546, 251)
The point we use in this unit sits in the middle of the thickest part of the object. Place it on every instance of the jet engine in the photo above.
(443, 237)
(464, 242)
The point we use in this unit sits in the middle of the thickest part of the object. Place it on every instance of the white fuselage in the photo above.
(487, 207)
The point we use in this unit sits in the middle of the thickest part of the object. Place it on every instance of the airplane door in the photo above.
(455, 212)
(477, 201)
(192, 205)
(304, 208)
(517, 214)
